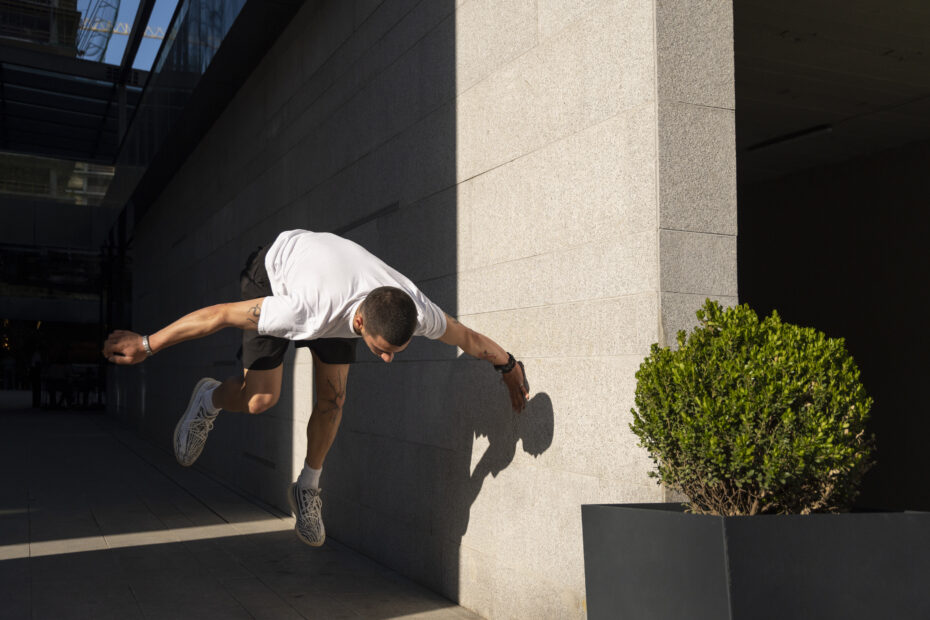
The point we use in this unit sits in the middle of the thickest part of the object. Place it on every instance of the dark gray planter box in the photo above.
(645, 561)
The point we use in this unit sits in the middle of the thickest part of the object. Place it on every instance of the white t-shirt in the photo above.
(319, 280)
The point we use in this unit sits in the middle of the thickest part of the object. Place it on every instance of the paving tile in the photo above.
(14, 551)
(181, 589)
(66, 565)
(127, 533)
(213, 558)
(174, 610)
(16, 610)
(15, 589)
(318, 606)
(82, 597)
(14, 527)
(15, 498)
(258, 599)
(76, 544)
(161, 559)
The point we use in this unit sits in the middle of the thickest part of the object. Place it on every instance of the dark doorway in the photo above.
(833, 148)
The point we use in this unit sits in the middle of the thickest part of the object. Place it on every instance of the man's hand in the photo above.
(482, 347)
(518, 386)
(124, 348)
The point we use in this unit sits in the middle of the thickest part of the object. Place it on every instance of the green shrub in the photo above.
(750, 417)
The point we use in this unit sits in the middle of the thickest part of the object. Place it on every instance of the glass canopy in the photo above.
(104, 82)
(72, 75)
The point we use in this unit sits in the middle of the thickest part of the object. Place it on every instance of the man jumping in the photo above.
(323, 292)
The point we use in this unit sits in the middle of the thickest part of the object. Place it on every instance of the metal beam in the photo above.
(56, 63)
(3, 134)
(135, 38)
(66, 80)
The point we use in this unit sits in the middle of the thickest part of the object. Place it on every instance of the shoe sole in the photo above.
(177, 427)
(293, 504)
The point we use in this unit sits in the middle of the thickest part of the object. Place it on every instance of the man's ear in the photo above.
(358, 322)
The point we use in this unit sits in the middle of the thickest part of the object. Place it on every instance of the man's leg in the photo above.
(304, 495)
(330, 382)
(255, 392)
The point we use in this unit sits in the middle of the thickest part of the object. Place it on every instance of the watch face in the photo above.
(511, 362)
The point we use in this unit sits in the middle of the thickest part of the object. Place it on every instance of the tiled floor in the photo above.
(96, 523)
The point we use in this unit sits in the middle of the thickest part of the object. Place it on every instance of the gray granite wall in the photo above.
(558, 174)
(696, 159)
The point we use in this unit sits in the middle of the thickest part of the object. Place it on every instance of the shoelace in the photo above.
(202, 424)
(198, 429)
(309, 505)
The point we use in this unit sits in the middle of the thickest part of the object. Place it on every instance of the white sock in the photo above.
(309, 478)
(208, 400)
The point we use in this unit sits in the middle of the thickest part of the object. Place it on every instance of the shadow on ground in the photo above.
(95, 523)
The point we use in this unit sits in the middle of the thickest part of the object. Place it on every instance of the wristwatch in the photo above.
(505, 368)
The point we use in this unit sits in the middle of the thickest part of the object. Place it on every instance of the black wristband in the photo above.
(505, 368)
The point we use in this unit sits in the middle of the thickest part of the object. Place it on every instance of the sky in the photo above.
(161, 18)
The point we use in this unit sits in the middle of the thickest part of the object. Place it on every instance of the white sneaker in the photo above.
(190, 434)
(307, 507)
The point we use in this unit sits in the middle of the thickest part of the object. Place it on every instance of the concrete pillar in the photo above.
(596, 212)
(696, 158)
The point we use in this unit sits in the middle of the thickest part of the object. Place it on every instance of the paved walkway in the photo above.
(96, 523)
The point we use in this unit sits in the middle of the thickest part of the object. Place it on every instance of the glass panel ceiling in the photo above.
(194, 38)
(74, 103)
(67, 92)
(106, 25)
(63, 115)
(154, 34)
(95, 29)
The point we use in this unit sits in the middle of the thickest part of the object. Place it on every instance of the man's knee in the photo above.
(260, 403)
(260, 390)
(330, 384)
(338, 400)
(329, 405)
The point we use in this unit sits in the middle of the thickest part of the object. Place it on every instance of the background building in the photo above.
(560, 175)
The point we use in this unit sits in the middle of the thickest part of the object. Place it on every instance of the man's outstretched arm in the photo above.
(125, 347)
(480, 346)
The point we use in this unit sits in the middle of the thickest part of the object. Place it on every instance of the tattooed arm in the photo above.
(480, 346)
(473, 343)
(125, 347)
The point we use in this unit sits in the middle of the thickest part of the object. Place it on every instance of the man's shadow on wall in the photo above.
(439, 431)
(486, 419)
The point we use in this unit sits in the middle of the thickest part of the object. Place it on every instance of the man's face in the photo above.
(381, 347)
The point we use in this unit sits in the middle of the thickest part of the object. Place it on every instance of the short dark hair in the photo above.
(390, 313)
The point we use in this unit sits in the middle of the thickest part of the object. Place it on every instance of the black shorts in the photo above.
(267, 352)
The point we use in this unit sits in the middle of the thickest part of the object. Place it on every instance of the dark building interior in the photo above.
(833, 145)
(83, 144)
